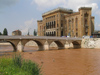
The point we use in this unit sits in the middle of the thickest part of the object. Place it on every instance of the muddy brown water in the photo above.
(62, 62)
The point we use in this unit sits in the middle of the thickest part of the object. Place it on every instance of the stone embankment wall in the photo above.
(90, 43)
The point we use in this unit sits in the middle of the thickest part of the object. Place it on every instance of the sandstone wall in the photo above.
(91, 43)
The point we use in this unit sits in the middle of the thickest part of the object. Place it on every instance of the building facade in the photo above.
(17, 32)
(65, 22)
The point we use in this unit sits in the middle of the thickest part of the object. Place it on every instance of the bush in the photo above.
(17, 66)
(17, 60)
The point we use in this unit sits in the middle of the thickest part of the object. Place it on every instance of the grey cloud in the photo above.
(6, 3)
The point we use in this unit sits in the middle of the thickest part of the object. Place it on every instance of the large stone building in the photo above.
(65, 22)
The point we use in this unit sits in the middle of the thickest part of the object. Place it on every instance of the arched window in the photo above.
(48, 34)
(69, 23)
(48, 25)
(85, 21)
(54, 24)
(52, 33)
(86, 14)
(76, 34)
(57, 25)
(76, 22)
(72, 27)
(62, 33)
(61, 23)
(72, 23)
(76, 27)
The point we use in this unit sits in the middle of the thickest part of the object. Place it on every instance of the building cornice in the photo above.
(39, 20)
(73, 14)
(85, 8)
(59, 9)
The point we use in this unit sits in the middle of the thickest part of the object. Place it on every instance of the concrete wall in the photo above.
(91, 43)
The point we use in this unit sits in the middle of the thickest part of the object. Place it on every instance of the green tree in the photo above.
(0, 33)
(35, 33)
(5, 32)
(28, 33)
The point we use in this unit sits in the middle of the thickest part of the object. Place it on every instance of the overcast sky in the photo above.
(23, 14)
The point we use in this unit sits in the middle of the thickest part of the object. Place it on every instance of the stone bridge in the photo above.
(40, 40)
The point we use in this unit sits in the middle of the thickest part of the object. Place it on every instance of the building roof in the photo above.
(16, 31)
(75, 13)
(39, 20)
(57, 9)
(85, 8)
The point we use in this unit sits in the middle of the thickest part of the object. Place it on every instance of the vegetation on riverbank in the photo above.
(18, 66)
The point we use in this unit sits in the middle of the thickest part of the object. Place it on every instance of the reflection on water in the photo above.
(9, 48)
(30, 49)
(6, 48)
(64, 62)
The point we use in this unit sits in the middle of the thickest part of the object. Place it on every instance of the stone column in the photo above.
(46, 46)
(41, 48)
(20, 47)
(66, 45)
(77, 46)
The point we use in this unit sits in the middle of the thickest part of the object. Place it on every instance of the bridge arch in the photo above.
(76, 44)
(59, 44)
(28, 46)
(12, 44)
(14, 47)
(40, 43)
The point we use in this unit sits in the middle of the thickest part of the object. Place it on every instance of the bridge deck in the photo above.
(39, 37)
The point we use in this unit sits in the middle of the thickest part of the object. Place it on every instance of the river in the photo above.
(62, 62)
